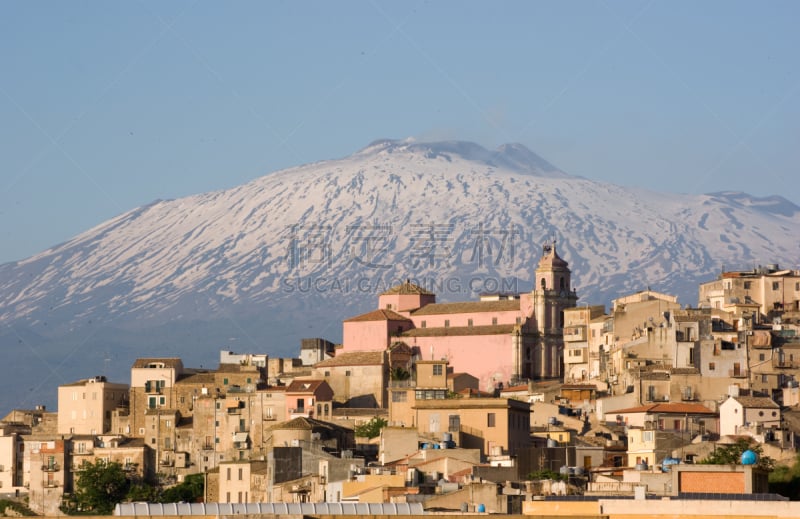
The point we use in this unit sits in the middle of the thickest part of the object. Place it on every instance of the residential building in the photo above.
(309, 398)
(85, 406)
(357, 378)
(577, 334)
(748, 412)
(49, 474)
(774, 291)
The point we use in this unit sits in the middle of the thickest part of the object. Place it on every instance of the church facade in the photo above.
(500, 338)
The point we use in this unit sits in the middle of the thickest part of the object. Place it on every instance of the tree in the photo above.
(399, 373)
(732, 454)
(785, 480)
(98, 488)
(191, 490)
(371, 429)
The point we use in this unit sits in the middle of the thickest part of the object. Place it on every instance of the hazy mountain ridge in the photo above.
(291, 253)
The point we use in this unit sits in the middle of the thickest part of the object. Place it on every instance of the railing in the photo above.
(52, 467)
(402, 384)
(737, 373)
(51, 484)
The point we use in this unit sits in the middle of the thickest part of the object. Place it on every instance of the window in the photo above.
(389, 306)
(454, 423)
(224, 381)
(447, 323)
(747, 285)
(327, 373)
(437, 369)
(776, 285)
(494, 321)
(761, 356)
(469, 323)
(399, 396)
(519, 320)
(711, 366)
(764, 378)
(347, 373)
(490, 420)
(423, 324)
(241, 473)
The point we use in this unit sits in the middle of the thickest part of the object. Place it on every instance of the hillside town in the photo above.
(511, 403)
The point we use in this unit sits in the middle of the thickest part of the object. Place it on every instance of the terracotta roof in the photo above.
(496, 329)
(469, 307)
(655, 375)
(579, 386)
(756, 401)
(304, 386)
(407, 288)
(197, 378)
(353, 358)
(513, 389)
(378, 315)
(684, 371)
(169, 362)
(300, 423)
(668, 408)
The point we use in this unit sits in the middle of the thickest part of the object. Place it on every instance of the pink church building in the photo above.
(499, 338)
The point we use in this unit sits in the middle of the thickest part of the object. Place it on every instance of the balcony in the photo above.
(737, 373)
(402, 384)
(166, 463)
(51, 467)
(51, 484)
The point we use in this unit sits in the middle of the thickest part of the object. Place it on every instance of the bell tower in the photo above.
(552, 293)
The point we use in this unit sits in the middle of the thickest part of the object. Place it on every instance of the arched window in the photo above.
(561, 284)
(544, 284)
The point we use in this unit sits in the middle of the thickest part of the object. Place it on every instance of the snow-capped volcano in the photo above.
(290, 254)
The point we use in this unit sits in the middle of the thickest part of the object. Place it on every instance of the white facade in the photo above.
(736, 413)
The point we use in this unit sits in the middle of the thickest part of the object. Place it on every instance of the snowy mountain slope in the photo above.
(290, 254)
(390, 211)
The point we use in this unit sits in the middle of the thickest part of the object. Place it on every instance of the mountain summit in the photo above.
(291, 254)
(514, 157)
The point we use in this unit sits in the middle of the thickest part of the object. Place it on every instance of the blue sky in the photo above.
(105, 106)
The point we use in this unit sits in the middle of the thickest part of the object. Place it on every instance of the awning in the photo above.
(233, 404)
(240, 437)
